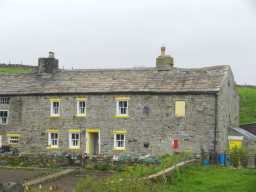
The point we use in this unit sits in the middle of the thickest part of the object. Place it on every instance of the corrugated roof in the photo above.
(249, 127)
(208, 79)
(245, 133)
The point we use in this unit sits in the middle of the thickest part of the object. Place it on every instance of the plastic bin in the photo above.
(221, 159)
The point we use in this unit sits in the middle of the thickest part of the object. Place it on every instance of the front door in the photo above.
(92, 142)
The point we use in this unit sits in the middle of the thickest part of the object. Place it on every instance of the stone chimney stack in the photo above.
(48, 64)
(164, 62)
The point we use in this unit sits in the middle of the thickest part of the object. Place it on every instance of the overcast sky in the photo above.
(129, 33)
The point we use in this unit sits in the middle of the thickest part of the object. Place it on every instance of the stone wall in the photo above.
(30, 117)
(228, 111)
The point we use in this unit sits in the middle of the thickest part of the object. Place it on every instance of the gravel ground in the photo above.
(20, 175)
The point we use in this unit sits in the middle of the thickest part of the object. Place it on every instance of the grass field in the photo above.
(194, 178)
(213, 179)
(14, 70)
(247, 104)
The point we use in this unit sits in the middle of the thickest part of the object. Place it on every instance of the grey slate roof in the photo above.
(177, 80)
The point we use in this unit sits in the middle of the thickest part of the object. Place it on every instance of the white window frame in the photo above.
(7, 118)
(51, 141)
(4, 100)
(53, 114)
(13, 139)
(71, 146)
(1, 141)
(120, 140)
(118, 108)
(78, 112)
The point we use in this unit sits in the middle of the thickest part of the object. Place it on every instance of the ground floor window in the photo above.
(53, 140)
(74, 140)
(13, 139)
(119, 141)
(0, 141)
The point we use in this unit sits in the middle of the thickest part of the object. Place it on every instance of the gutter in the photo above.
(114, 93)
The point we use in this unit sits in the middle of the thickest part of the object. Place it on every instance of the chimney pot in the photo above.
(51, 54)
(163, 51)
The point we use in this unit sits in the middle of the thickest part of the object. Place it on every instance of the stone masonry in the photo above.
(211, 110)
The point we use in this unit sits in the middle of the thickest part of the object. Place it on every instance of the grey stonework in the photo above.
(30, 117)
(212, 108)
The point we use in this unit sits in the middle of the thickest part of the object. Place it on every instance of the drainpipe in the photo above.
(216, 122)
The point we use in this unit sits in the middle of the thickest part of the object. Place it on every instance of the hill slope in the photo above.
(15, 70)
(247, 104)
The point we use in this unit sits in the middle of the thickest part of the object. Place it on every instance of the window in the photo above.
(122, 108)
(3, 117)
(74, 140)
(55, 108)
(180, 109)
(81, 107)
(4, 100)
(53, 140)
(0, 141)
(119, 141)
(13, 138)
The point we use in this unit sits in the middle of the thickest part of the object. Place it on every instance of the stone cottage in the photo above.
(106, 111)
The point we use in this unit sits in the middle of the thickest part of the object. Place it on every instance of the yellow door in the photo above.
(92, 142)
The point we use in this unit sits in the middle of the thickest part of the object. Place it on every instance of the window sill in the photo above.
(74, 148)
(55, 116)
(119, 149)
(50, 147)
(121, 116)
(79, 115)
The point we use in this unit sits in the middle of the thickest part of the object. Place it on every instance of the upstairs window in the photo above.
(180, 109)
(74, 140)
(53, 140)
(55, 107)
(122, 108)
(4, 100)
(81, 106)
(3, 117)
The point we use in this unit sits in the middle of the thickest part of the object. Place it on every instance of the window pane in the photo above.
(3, 117)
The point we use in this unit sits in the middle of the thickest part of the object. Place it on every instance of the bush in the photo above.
(238, 157)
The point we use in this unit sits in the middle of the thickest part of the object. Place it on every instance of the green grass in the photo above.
(213, 179)
(247, 104)
(193, 178)
(129, 178)
(14, 70)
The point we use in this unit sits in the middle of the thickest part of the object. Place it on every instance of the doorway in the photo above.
(92, 142)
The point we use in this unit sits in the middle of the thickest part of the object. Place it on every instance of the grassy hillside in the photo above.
(14, 70)
(247, 104)
(212, 179)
